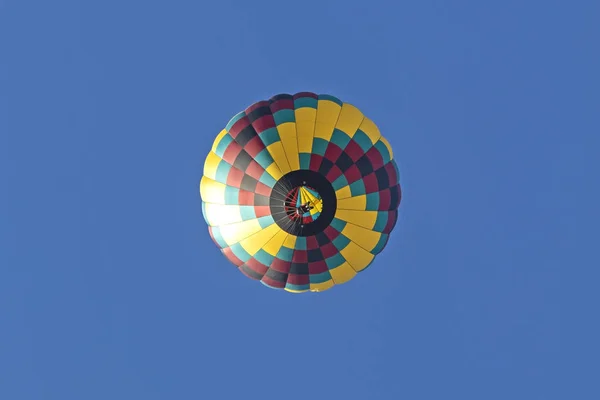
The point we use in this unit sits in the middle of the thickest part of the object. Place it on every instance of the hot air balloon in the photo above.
(300, 192)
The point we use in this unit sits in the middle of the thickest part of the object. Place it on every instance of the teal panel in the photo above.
(222, 146)
(283, 116)
(320, 146)
(305, 102)
(335, 261)
(320, 278)
(373, 201)
(363, 140)
(340, 138)
(240, 253)
(331, 98)
(269, 136)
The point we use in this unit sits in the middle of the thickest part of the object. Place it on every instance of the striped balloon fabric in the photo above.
(300, 191)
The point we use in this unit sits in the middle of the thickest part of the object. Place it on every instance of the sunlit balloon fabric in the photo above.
(300, 191)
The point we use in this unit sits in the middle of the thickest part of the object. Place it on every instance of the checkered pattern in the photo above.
(286, 133)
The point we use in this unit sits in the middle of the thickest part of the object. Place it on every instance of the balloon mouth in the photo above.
(303, 202)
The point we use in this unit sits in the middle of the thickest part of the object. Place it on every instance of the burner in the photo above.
(303, 202)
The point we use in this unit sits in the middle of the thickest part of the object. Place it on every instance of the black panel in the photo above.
(246, 135)
(322, 239)
(276, 275)
(296, 179)
(364, 166)
(299, 268)
(251, 273)
(259, 112)
(260, 200)
(283, 96)
(395, 192)
(315, 255)
(248, 183)
(326, 166)
(344, 162)
(242, 161)
(383, 180)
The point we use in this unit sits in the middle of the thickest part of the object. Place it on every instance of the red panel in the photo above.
(234, 178)
(329, 250)
(239, 125)
(333, 152)
(300, 256)
(353, 174)
(231, 257)
(263, 123)
(262, 211)
(281, 266)
(354, 150)
(385, 199)
(256, 266)
(312, 243)
(317, 267)
(391, 222)
(371, 184)
(298, 279)
(376, 159)
(246, 198)
(254, 146)
(273, 282)
(255, 170)
(334, 173)
(391, 171)
(282, 104)
(263, 189)
(231, 152)
(315, 162)
(331, 232)
(300, 95)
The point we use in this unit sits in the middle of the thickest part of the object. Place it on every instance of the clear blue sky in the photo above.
(110, 287)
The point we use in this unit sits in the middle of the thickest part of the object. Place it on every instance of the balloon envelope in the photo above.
(300, 191)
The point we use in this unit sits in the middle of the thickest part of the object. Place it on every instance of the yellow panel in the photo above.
(387, 144)
(353, 203)
(328, 112)
(295, 291)
(287, 133)
(370, 129)
(319, 287)
(212, 191)
(278, 155)
(233, 233)
(357, 257)
(274, 171)
(290, 242)
(350, 119)
(274, 245)
(219, 214)
(365, 238)
(210, 165)
(343, 193)
(366, 219)
(218, 139)
(255, 242)
(342, 273)
(305, 127)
